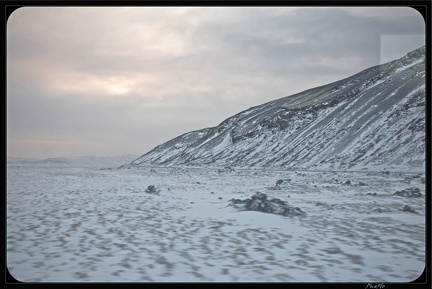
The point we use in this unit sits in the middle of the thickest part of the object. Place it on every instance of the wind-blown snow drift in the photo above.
(375, 118)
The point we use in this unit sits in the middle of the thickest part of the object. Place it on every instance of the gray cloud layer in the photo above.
(101, 81)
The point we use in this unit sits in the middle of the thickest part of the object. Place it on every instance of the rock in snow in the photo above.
(152, 190)
(407, 208)
(373, 118)
(409, 193)
(261, 203)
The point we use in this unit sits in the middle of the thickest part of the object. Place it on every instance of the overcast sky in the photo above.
(113, 81)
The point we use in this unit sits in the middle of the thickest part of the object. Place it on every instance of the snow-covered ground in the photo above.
(68, 221)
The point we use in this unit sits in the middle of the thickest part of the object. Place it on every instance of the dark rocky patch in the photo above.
(409, 193)
(409, 209)
(152, 190)
(261, 203)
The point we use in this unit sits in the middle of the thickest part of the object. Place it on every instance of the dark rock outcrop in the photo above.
(261, 203)
(152, 190)
(409, 209)
(409, 193)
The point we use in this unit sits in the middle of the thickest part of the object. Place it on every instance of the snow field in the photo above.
(68, 223)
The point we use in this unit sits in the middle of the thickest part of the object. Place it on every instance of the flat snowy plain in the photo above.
(73, 221)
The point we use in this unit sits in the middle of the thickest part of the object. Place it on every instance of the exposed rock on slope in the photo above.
(375, 118)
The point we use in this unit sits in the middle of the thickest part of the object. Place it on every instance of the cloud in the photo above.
(131, 78)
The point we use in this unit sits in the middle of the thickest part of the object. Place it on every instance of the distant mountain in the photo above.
(20, 160)
(375, 118)
(80, 161)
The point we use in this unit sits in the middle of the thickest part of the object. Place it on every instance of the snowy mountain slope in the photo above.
(375, 118)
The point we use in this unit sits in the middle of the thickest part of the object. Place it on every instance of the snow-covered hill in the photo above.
(375, 118)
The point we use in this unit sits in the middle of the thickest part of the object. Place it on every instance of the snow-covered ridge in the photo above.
(375, 118)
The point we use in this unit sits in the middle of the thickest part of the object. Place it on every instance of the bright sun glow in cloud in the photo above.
(83, 83)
